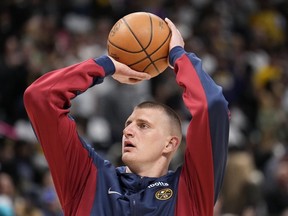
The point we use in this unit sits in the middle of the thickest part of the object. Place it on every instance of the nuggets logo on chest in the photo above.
(164, 194)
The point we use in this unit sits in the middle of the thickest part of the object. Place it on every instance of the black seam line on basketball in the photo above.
(154, 52)
(124, 49)
(153, 62)
(141, 50)
(139, 42)
(151, 36)
(130, 65)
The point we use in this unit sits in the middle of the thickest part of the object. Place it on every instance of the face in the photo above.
(145, 136)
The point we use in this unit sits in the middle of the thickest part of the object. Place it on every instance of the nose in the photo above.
(128, 131)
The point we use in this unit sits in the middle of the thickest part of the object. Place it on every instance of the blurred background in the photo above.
(243, 45)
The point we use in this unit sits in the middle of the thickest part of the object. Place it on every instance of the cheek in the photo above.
(154, 145)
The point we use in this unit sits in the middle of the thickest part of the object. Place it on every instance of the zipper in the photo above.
(133, 207)
(135, 211)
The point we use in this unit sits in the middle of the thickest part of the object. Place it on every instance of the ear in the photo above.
(172, 144)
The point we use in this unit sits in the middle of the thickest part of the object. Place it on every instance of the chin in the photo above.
(127, 159)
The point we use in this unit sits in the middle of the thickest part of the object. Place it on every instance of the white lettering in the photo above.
(156, 184)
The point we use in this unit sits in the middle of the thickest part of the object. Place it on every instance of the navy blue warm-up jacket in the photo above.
(89, 185)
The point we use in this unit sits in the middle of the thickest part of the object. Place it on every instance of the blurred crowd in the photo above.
(243, 45)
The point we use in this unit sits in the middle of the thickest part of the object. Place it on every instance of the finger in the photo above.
(139, 75)
(134, 81)
(172, 26)
(170, 23)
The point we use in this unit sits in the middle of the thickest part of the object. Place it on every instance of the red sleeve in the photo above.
(47, 102)
(207, 138)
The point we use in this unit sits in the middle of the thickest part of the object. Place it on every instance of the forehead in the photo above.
(148, 114)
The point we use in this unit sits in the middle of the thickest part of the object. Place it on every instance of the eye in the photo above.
(127, 123)
(143, 125)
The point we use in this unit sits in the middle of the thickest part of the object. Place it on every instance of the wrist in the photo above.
(107, 64)
(175, 53)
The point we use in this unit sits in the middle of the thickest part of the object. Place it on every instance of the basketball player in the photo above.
(89, 185)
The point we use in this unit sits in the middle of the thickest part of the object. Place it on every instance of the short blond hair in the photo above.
(170, 113)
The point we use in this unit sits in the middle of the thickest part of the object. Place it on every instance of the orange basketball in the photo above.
(141, 41)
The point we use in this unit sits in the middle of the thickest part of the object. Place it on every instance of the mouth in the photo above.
(128, 145)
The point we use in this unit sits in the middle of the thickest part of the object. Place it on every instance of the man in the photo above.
(89, 185)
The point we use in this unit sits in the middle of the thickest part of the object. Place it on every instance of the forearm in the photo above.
(53, 92)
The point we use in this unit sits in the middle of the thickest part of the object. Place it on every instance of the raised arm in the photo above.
(207, 136)
(47, 102)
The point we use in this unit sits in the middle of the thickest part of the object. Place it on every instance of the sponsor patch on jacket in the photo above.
(164, 194)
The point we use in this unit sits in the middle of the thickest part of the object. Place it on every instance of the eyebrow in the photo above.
(137, 121)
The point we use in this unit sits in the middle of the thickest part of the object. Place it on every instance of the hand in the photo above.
(176, 38)
(125, 74)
